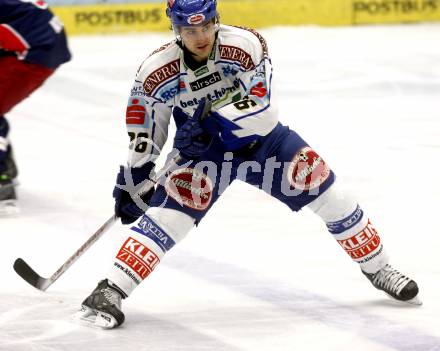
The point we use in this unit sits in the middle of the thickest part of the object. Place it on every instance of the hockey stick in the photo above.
(34, 279)
(37, 281)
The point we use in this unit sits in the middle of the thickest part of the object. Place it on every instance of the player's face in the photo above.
(199, 39)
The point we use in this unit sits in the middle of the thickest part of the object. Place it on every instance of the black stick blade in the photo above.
(28, 274)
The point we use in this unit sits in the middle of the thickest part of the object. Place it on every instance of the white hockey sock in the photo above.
(147, 241)
(351, 228)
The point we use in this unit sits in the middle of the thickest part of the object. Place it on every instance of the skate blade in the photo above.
(415, 301)
(95, 319)
(9, 208)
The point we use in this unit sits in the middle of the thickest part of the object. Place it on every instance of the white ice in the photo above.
(253, 276)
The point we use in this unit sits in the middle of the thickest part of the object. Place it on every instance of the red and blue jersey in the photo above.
(30, 30)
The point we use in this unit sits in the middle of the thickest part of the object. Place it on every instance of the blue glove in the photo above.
(218, 125)
(190, 139)
(125, 207)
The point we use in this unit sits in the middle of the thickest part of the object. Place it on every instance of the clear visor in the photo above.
(191, 31)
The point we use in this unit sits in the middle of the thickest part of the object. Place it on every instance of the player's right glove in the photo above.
(225, 129)
(125, 207)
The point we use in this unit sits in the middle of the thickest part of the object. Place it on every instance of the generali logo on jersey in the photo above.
(138, 257)
(238, 55)
(161, 75)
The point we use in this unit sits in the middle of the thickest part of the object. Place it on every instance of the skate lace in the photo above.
(390, 279)
(112, 296)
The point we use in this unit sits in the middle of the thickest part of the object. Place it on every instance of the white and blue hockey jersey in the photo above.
(236, 80)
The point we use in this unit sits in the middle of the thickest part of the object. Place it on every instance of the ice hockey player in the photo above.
(32, 45)
(229, 70)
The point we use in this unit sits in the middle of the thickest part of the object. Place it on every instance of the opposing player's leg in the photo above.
(18, 79)
(298, 176)
(8, 172)
(181, 201)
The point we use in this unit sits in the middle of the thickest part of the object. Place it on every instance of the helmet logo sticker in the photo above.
(196, 19)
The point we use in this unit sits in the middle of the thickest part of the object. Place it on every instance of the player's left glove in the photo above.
(190, 139)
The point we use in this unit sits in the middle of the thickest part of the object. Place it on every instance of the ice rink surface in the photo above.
(253, 276)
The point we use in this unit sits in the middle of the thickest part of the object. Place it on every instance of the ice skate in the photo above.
(103, 307)
(395, 285)
(8, 198)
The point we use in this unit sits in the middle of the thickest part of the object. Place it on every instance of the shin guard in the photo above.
(351, 228)
(151, 236)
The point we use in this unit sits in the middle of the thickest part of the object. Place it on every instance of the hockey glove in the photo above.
(225, 129)
(190, 139)
(125, 207)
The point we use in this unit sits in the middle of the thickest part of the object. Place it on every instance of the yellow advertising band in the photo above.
(120, 18)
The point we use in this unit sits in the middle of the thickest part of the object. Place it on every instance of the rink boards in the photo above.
(150, 16)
